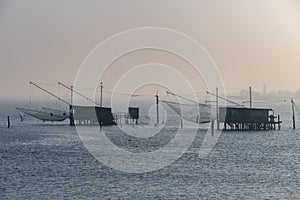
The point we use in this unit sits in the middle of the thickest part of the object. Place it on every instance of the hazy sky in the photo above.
(253, 42)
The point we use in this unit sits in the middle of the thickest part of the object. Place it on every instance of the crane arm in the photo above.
(225, 99)
(59, 83)
(49, 92)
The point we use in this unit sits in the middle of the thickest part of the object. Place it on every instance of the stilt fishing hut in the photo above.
(243, 118)
(90, 115)
(235, 118)
(131, 117)
(133, 114)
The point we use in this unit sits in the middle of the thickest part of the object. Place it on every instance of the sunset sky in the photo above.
(253, 42)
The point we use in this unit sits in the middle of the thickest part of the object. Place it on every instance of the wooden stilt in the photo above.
(293, 110)
(8, 122)
(157, 110)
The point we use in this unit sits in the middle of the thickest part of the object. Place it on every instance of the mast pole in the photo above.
(157, 110)
(72, 123)
(293, 110)
(217, 107)
(250, 95)
(101, 90)
(71, 87)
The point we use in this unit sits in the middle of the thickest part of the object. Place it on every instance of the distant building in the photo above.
(264, 90)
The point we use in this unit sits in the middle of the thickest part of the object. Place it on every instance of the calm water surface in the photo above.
(49, 161)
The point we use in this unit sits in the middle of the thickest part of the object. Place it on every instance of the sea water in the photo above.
(49, 161)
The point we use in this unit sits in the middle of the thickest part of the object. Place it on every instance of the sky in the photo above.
(253, 42)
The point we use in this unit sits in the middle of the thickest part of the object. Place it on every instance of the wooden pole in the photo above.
(293, 111)
(212, 127)
(101, 90)
(217, 107)
(8, 122)
(71, 95)
(279, 126)
(181, 123)
(71, 109)
(157, 109)
(250, 95)
(71, 116)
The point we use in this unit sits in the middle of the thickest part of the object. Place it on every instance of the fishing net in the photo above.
(193, 112)
(46, 114)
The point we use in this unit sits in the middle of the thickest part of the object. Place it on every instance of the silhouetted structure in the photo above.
(133, 113)
(127, 118)
(235, 118)
(85, 115)
(104, 116)
(93, 115)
